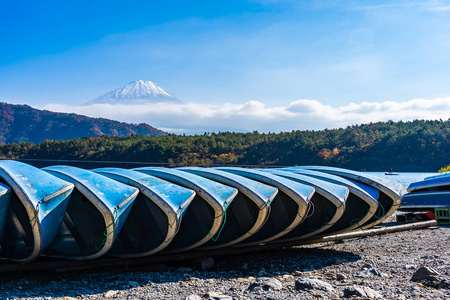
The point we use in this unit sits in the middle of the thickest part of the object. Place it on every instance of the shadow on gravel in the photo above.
(264, 264)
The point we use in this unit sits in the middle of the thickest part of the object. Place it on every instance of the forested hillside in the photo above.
(403, 146)
(22, 123)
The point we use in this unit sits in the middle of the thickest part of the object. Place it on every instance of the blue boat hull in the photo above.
(361, 202)
(206, 213)
(288, 208)
(97, 211)
(389, 197)
(247, 213)
(327, 206)
(36, 210)
(426, 200)
(155, 217)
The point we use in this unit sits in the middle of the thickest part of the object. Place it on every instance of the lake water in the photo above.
(405, 178)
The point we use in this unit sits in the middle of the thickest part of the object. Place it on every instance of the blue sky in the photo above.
(215, 52)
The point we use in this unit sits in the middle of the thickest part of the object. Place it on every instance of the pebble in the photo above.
(266, 284)
(336, 264)
(216, 296)
(423, 273)
(111, 293)
(287, 277)
(361, 291)
(313, 284)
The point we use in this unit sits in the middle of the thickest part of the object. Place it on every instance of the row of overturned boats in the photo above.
(73, 213)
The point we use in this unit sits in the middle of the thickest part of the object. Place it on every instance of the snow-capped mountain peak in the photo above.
(136, 92)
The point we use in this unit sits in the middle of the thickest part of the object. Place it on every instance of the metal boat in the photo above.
(361, 203)
(288, 208)
(35, 211)
(97, 210)
(204, 218)
(249, 210)
(425, 200)
(156, 214)
(432, 192)
(390, 191)
(439, 182)
(327, 206)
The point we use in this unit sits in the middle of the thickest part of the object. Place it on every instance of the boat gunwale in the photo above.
(202, 192)
(174, 217)
(393, 191)
(30, 207)
(103, 208)
(227, 179)
(353, 188)
(334, 199)
(267, 178)
(149, 190)
(428, 183)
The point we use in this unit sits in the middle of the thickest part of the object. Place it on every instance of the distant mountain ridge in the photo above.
(136, 92)
(22, 123)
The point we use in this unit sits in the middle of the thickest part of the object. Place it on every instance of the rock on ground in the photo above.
(361, 291)
(266, 284)
(313, 284)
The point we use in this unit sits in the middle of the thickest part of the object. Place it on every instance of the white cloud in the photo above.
(299, 115)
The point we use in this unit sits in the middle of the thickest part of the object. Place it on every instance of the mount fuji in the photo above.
(137, 92)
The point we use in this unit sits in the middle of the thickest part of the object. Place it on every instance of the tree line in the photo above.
(417, 145)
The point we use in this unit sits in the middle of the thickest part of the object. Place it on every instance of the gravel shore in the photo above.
(380, 266)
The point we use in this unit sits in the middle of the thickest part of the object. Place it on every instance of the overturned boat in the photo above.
(97, 210)
(361, 203)
(156, 214)
(389, 198)
(288, 208)
(428, 194)
(35, 211)
(327, 207)
(249, 210)
(204, 218)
